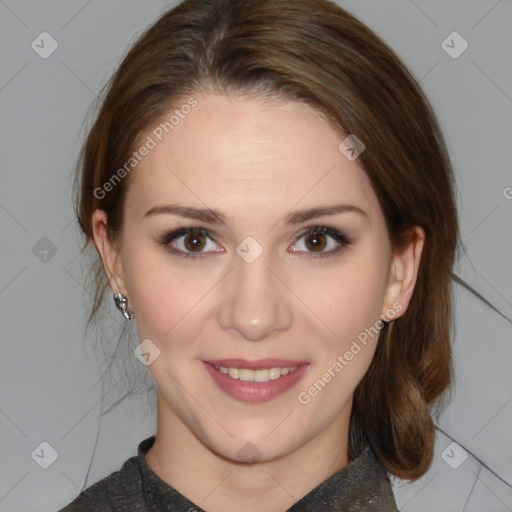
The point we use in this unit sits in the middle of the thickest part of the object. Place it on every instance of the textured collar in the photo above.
(362, 485)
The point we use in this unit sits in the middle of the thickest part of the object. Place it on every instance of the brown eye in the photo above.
(190, 242)
(316, 242)
(194, 242)
(321, 241)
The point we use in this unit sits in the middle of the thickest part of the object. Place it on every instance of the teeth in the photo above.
(263, 375)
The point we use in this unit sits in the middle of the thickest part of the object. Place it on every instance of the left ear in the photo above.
(403, 274)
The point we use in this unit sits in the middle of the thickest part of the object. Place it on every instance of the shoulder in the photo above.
(95, 499)
(121, 490)
(362, 485)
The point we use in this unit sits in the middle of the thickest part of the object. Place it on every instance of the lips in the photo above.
(259, 364)
(252, 391)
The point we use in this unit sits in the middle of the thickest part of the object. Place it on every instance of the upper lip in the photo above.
(255, 365)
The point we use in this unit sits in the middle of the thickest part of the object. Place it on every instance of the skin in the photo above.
(255, 162)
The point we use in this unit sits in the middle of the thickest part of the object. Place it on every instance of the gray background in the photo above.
(50, 388)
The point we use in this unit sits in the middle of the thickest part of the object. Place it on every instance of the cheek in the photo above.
(349, 305)
(348, 302)
(169, 306)
(349, 298)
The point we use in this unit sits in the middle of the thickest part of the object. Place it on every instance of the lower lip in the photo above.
(249, 391)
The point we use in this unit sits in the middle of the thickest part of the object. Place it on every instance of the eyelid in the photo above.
(168, 237)
(340, 238)
(327, 230)
(180, 231)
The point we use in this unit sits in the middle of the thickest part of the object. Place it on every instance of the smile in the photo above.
(255, 385)
(263, 375)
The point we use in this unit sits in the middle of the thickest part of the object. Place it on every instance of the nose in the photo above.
(255, 303)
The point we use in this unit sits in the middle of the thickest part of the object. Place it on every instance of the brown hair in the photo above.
(315, 52)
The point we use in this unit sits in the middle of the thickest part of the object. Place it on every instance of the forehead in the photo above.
(242, 152)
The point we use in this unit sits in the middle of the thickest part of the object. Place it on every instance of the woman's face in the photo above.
(266, 279)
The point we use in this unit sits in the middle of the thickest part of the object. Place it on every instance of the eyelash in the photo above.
(342, 240)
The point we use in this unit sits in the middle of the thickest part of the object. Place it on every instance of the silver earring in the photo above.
(121, 303)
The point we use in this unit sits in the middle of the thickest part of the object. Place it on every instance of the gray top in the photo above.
(362, 485)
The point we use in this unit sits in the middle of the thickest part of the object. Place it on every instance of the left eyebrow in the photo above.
(321, 211)
(216, 217)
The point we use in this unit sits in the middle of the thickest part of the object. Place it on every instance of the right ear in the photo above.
(108, 252)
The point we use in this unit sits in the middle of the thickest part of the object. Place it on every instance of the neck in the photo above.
(217, 484)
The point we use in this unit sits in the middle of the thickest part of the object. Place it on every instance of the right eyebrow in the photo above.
(215, 217)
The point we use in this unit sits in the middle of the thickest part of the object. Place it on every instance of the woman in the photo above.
(272, 203)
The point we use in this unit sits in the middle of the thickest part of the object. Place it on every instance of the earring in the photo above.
(121, 303)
